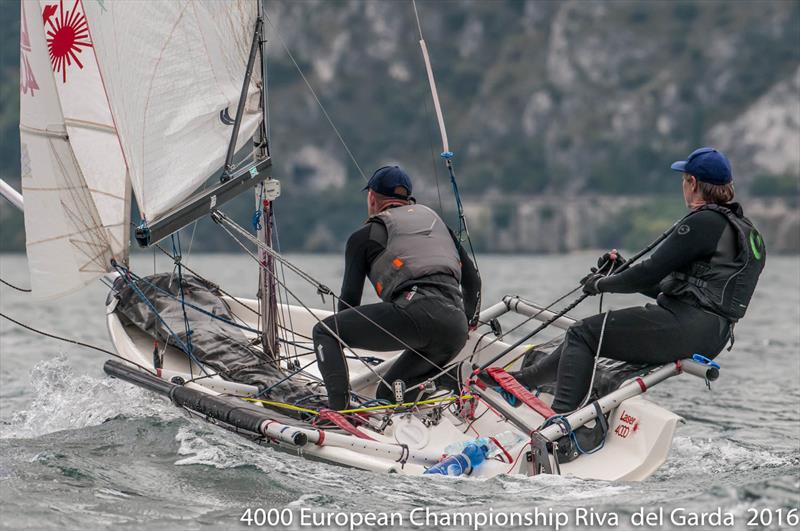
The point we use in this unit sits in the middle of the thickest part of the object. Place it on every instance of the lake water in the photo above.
(81, 451)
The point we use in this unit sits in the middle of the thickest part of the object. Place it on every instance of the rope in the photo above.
(137, 278)
(231, 323)
(407, 404)
(266, 390)
(15, 287)
(292, 407)
(477, 350)
(76, 342)
(283, 276)
(213, 316)
(281, 405)
(596, 357)
(195, 273)
(188, 329)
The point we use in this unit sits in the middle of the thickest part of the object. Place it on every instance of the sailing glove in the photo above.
(591, 283)
(612, 257)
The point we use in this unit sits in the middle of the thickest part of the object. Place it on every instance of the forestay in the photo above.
(73, 172)
(170, 69)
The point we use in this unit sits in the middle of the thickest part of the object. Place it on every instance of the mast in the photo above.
(267, 295)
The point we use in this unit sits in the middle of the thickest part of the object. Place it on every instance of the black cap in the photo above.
(385, 181)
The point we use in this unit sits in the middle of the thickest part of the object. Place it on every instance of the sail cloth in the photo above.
(73, 172)
(170, 67)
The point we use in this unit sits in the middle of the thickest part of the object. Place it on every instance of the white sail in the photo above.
(170, 67)
(73, 173)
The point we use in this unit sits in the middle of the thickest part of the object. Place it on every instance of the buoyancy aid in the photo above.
(418, 245)
(723, 284)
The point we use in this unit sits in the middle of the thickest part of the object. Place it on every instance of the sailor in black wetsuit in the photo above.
(429, 287)
(702, 277)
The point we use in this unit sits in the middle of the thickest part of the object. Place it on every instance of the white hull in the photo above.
(632, 452)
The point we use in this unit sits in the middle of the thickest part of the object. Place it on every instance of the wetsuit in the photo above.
(428, 315)
(672, 329)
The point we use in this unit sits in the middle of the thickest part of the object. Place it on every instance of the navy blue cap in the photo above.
(707, 165)
(386, 179)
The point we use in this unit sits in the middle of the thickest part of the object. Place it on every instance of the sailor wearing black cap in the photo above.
(702, 277)
(427, 283)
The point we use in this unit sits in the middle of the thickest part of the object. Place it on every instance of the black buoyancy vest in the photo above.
(723, 284)
(418, 245)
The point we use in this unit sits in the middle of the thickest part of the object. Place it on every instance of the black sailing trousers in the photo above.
(433, 326)
(650, 334)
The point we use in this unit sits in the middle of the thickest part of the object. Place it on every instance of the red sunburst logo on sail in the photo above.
(67, 33)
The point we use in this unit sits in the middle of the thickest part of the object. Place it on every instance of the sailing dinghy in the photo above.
(106, 112)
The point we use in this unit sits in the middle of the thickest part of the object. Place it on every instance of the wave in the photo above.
(64, 400)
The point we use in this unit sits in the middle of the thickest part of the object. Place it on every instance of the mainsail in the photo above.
(73, 173)
(173, 72)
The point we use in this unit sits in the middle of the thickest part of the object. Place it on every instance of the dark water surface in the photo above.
(81, 451)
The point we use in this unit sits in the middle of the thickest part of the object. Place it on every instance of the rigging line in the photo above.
(302, 369)
(194, 229)
(229, 371)
(314, 94)
(537, 314)
(132, 283)
(416, 15)
(583, 297)
(333, 296)
(283, 272)
(336, 336)
(10, 285)
(541, 347)
(191, 239)
(187, 327)
(224, 219)
(198, 275)
(433, 161)
(243, 324)
(189, 304)
(76, 342)
(219, 216)
(295, 333)
(496, 339)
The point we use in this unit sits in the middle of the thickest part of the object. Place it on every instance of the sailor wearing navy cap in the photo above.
(428, 286)
(702, 277)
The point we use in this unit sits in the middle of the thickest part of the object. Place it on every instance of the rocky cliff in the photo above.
(563, 115)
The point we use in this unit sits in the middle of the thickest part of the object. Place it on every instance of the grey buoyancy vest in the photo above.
(725, 283)
(418, 245)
